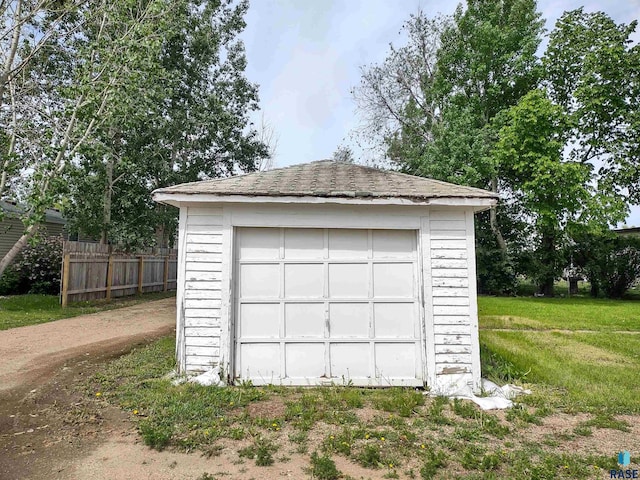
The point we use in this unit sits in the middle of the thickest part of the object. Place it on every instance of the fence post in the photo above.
(165, 279)
(66, 262)
(140, 273)
(109, 277)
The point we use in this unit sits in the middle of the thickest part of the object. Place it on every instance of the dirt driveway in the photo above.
(29, 354)
(46, 423)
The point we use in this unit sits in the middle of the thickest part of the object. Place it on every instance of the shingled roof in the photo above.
(326, 178)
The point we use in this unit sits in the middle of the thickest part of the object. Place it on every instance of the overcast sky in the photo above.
(306, 55)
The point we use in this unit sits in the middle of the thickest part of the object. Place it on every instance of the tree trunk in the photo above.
(548, 258)
(573, 286)
(493, 219)
(106, 204)
(161, 238)
(11, 255)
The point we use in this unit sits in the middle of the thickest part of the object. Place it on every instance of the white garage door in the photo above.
(315, 306)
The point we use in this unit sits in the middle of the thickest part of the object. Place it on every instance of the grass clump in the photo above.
(403, 402)
(262, 451)
(434, 461)
(606, 421)
(435, 413)
(370, 456)
(323, 467)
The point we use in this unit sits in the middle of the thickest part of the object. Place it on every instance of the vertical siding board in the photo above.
(473, 302)
(180, 286)
(427, 295)
(226, 309)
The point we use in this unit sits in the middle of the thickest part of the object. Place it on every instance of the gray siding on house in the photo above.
(11, 229)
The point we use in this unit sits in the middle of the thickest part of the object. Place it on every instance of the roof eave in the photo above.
(178, 199)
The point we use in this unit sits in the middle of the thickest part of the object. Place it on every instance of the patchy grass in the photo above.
(23, 310)
(393, 433)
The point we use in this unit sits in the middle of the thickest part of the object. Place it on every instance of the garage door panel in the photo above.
(349, 320)
(351, 244)
(350, 360)
(260, 360)
(348, 280)
(393, 243)
(259, 244)
(395, 320)
(303, 280)
(314, 304)
(305, 360)
(304, 320)
(257, 281)
(260, 320)
(396, 360)
(393, 280)
(303, 243)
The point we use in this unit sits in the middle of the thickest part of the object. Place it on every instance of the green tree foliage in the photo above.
(556, 137)
(593, 72)
(189, 124)
(438, 110)
(610, 262)
(104, 101)
(553, 193)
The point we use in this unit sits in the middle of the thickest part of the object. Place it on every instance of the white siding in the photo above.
(451, 263)
(447, 306)
(201, 290)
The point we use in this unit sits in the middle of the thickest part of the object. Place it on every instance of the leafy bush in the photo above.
(12, 282)
(38, 266)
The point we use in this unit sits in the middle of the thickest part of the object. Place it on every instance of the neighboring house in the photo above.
(328, 272)
(12, 228)
(628, 231)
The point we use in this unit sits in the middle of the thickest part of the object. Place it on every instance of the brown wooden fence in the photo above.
(91, 271)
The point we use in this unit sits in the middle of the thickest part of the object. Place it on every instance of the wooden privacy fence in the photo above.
(92, 271)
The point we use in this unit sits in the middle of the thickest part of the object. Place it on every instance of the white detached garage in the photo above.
(328, 272)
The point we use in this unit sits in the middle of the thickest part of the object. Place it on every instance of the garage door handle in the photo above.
(327, 324)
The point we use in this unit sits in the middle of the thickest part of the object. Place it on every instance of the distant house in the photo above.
(12, 228)
(635, 231)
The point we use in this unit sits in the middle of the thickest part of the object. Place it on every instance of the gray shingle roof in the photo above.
(326, 178)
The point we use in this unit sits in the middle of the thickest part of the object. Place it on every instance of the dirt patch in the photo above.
(558, 431)
(45, 421)
(45, 426)
(268, 409)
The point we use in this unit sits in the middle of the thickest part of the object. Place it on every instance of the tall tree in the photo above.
(554, 192)
(463, 71)
(593, 72)
(190, 124)
(41, 128)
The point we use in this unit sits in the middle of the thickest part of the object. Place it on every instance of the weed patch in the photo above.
(323, 467)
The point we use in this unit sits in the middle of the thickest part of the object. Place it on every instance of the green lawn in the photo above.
(580, 354)
(576, 313)
(22, 310)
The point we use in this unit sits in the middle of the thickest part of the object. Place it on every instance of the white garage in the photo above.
(327, 273)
